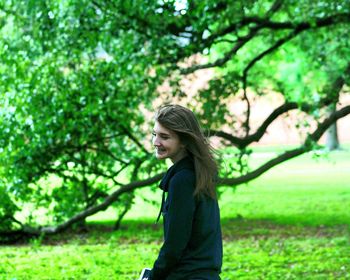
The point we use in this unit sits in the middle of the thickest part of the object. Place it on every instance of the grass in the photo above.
(302, 191)
(291, 223)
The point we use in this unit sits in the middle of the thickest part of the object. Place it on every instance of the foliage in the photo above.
(78, 76)
(67, 111)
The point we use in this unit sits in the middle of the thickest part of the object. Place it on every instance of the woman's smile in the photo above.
(160, 150)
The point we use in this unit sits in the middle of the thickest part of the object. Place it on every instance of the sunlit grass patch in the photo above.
(100, 261)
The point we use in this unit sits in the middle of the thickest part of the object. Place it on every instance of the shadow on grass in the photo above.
(146, 231)
(239, 228)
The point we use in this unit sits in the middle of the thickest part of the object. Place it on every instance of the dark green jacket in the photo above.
(192, 245)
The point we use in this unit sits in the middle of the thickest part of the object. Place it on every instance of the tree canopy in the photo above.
(77, 77)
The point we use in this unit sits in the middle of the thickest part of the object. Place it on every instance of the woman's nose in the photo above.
(156, 141)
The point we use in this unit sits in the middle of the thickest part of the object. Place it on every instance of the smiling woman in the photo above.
(192, 247)
(167, 143)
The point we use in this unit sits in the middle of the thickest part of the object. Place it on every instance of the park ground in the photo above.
(293, 222)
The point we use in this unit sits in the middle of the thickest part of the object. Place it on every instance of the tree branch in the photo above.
(314, 137)
(135, 140)
(262, 23)
(241, 41)
(246, 125)
(266, 52)
(94, 209)
(331, 95)
(245, 141)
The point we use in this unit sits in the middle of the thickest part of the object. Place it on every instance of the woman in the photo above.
(192, 247)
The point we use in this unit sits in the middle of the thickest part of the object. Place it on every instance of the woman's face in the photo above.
(167, 143)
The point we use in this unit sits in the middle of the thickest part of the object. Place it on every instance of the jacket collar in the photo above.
(184, 163)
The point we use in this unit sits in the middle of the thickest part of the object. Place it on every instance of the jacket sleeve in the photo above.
(178, 225)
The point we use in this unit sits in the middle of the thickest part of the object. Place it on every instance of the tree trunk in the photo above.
(332, 141)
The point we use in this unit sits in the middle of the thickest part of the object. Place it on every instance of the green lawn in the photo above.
(291, 223)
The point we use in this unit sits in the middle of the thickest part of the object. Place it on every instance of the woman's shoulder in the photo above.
(183, 179)
(185, 173)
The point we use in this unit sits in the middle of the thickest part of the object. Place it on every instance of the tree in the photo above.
(332, 141)
(72, 125)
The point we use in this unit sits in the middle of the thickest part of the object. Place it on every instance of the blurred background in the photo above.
(80, 82)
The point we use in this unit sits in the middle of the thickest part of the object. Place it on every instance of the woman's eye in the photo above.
(163, 137)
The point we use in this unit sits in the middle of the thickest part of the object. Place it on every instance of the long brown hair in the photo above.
(185, 124)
